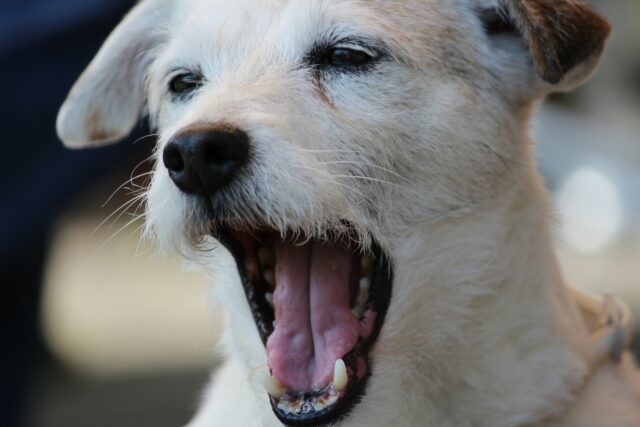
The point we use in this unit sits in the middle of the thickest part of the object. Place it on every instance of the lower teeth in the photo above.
(303, 403)
(271, 384)
(340, 377)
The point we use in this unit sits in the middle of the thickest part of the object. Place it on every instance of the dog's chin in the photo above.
(319, 305)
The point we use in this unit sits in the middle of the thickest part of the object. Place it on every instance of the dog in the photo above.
(358, 180)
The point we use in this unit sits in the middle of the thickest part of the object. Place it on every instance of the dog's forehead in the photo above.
(294, 24)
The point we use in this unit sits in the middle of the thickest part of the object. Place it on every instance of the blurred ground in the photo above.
(61, 399)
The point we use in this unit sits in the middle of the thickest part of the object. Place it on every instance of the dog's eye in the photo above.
(344, 57)
(185, 83)
(341, 57)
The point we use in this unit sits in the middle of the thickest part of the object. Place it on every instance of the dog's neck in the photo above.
(494, 321)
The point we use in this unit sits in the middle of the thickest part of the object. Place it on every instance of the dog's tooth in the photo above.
(366, 263)
(271, 384)
(363, 297)
(269, 297)
(269, 277)
(266, 257)
(364, 285)
(333, 398)
(340, 377)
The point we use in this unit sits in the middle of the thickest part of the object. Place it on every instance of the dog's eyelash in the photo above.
(344, 55)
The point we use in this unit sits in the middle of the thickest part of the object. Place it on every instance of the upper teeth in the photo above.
(269, 277)
(364, 285)
(269, 298)
(363, 296)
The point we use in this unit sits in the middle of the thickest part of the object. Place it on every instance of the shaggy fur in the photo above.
(428, 152)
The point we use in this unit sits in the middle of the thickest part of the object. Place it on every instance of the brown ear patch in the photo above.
(561, 34)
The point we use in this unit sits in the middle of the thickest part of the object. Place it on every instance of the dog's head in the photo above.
(319, 140)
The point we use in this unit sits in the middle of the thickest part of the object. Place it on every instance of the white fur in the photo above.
(429, 155)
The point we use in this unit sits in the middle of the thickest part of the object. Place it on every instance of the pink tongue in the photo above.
(314, 323)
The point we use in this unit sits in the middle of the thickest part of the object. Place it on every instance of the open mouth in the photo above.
(319, 306)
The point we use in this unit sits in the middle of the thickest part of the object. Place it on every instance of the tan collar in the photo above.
(609, 323)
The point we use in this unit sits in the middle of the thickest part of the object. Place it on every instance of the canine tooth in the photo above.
(269, 297)
(271, 384)
(269, 277)
(266, 257)
(340, 377)
(366, 263)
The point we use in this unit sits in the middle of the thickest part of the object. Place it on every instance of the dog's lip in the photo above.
(301, 407)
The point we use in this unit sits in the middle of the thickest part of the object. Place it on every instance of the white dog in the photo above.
(367, 166)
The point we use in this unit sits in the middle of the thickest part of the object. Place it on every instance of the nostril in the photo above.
(172, 158)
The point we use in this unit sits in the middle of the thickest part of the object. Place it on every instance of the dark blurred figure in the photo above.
(44, 46)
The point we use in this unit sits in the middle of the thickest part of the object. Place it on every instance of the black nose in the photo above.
(203, 160)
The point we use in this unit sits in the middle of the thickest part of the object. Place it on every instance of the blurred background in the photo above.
(96, 329)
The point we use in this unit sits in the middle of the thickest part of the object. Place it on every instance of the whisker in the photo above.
(138, 199)
(121, 186)
(324, 173)
(126, 205)
(368, 178)
(142, 162)
(358, 162)
(142, 138)
(131, 177)
(140, 239)
(114, 235)
(135, 230)
(308, 150)
(367, 164)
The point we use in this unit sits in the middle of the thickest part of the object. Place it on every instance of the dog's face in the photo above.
(319, 140)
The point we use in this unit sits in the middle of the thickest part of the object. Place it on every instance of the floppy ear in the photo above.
(564, 38)
(105, 103)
